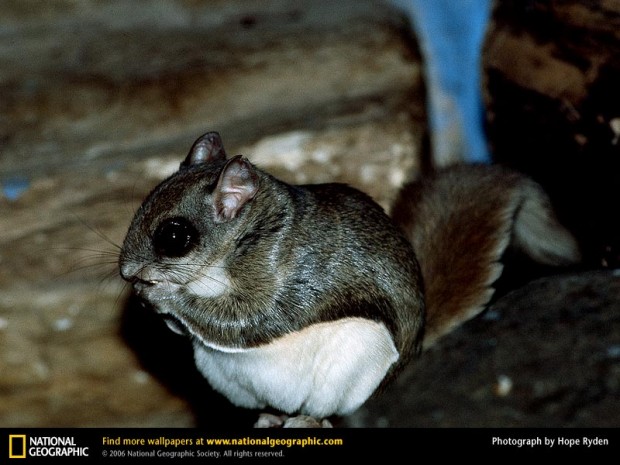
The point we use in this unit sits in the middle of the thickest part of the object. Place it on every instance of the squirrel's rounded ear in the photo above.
(206, 149)
(237, 185)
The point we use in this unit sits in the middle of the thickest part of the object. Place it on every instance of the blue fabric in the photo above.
(13, 188)
(451, 34)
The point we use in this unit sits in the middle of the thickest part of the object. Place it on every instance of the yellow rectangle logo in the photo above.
(17, 448)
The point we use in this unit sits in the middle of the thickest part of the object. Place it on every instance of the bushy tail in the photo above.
(460, 221)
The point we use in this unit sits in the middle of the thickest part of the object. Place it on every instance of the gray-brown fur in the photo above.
(296, 255)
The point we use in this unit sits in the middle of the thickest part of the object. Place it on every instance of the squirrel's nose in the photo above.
(134, 274)
(128, 272)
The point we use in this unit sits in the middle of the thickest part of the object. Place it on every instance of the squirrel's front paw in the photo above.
(268, 420)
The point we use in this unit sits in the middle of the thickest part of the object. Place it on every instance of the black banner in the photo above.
(115, 446)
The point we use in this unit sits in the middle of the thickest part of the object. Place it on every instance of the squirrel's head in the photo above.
(184, 237)
(188, 218)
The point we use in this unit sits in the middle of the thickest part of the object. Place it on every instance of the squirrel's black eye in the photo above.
(175, 237)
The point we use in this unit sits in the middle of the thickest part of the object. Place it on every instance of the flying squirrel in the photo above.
(308, 298)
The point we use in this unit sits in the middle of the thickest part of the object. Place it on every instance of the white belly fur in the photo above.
(324, 369)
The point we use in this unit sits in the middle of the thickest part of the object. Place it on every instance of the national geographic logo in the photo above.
(21, 446)
(17, 446)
